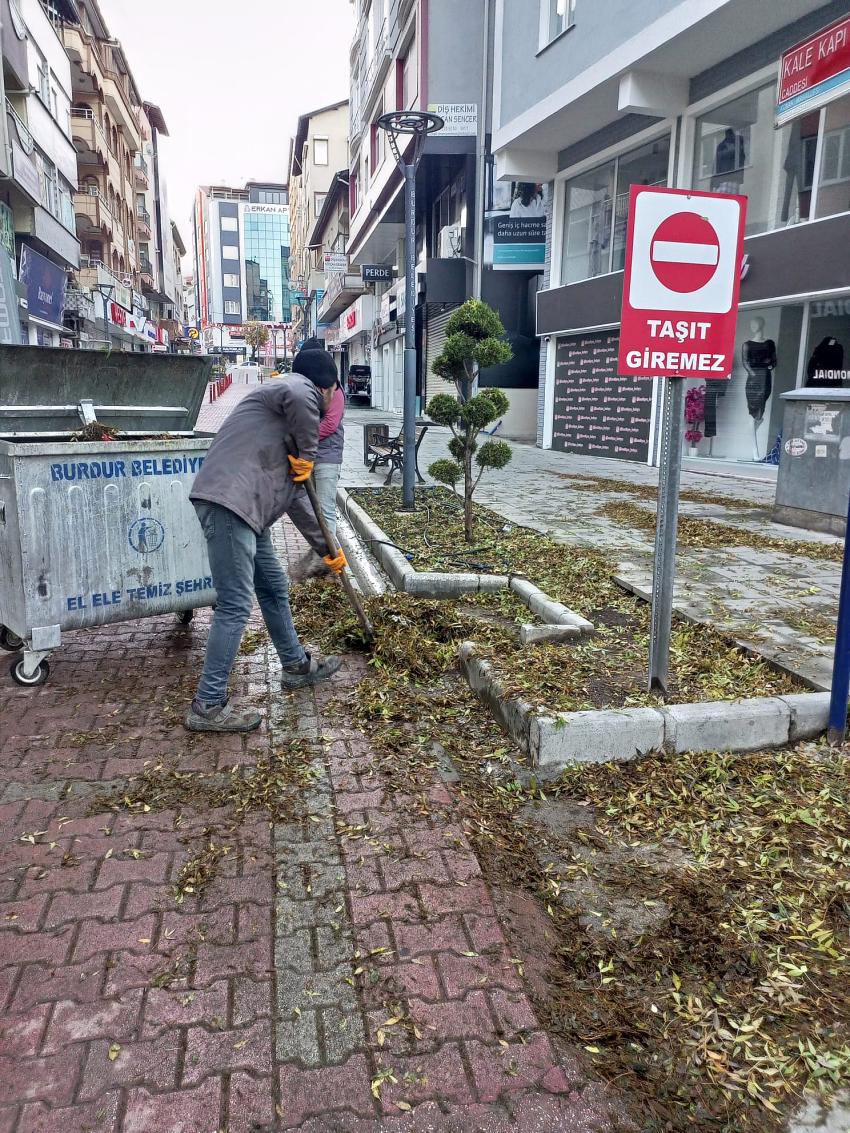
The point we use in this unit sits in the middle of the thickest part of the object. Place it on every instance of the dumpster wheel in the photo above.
(184, 617)
(39, 677)
(10, 641)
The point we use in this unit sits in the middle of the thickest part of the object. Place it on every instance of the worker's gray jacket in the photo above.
(247, 468)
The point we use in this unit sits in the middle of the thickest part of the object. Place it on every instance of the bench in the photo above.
(389, 452)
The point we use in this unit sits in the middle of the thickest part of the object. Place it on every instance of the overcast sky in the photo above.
(232, 79)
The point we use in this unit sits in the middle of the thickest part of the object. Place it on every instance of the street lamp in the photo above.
(105, 290)
(416, 124)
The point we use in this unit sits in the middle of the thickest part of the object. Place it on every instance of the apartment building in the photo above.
(318, 156)
(159, 272)
(38, 173)
(591, 98)
(342, 289)
(241, 246)
(105, 123)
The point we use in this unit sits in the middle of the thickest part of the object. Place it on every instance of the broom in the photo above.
(333, 547)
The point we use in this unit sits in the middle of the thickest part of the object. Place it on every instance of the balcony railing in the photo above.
(140, 167)
(143, 215)
(146, 267)
(26, 138)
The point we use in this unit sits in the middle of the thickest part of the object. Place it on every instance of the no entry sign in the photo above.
(682, 282)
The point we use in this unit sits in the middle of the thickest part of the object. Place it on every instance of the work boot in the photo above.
(220, 718)
(310, 672)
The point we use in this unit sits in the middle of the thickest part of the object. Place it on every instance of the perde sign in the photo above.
(682, 283)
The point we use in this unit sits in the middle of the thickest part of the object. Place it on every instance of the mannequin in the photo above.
(759, 358)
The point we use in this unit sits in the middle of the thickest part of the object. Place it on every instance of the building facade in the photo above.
(241, 248)
(318, 157)
(433, 57)
(679, 94)
(38, 172)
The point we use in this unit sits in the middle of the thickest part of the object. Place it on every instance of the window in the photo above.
(377, 144)
(271, 197)
(320, 151)
(230, 280)
(229, 224)
(319, 202)
(556, 17)
(230, 251)
(407, 79)
(597, 207)
(834, 185)
(231, 306)
(354, 192)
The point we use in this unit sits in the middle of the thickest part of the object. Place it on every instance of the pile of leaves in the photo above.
(738, 1001)
(94, 431)
(605, 671)
(702, 534)
(580, 483)
(734, 999)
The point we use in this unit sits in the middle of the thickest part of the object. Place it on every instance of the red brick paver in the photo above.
(317, 982)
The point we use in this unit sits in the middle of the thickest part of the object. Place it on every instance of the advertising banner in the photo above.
(515, 227)
(45, 284)
(814, 72)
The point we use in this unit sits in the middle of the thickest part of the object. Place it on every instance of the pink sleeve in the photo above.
(330, 421)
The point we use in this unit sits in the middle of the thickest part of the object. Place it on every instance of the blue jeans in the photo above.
(242, 564)
(327, 478)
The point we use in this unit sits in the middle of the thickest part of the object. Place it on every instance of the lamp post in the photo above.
(105, 290)
(405, 124)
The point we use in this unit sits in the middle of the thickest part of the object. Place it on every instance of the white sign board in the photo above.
(461, 118)
(335, 262)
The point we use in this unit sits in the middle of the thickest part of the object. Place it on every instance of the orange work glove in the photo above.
(336, 564)
(300, 470)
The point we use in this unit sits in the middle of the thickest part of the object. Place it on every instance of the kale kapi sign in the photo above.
(682, 283)
(814, 72)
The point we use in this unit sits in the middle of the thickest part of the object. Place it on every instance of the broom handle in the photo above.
(333, 547)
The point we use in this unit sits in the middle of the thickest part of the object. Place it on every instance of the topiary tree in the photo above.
(473, 343)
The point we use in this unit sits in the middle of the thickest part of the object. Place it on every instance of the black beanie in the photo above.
(313, 344)
(317, 365)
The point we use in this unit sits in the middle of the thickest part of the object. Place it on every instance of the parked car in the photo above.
(360, 382)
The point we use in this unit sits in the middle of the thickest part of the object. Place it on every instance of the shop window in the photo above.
(597, 209)
(737, 150)
(742, 417)
(834, 184)
(827, 364)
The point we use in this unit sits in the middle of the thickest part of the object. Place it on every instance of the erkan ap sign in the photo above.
(682, 283)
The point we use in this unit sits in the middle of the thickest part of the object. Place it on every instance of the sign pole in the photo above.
(841, 663)
(664, 572)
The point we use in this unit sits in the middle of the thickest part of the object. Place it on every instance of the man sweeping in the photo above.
(252, 475)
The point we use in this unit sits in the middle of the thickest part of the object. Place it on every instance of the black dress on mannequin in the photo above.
(759, 361)
(827, 355)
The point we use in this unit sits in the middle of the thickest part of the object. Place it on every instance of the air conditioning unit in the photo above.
(451, 242)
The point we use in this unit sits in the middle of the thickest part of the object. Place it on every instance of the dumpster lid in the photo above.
(50, 392)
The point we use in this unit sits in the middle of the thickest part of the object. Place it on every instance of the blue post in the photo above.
(841, 664)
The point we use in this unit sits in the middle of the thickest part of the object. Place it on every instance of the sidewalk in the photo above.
(246, 934)
(783, 605)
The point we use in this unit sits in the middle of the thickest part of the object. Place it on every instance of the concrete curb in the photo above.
(557, 740)
(370, 582)
(436, 584)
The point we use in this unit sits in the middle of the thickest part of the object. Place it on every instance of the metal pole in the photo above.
(665, 535)
(409, 448)
(841, 663)
(481, 159)
(106, 329)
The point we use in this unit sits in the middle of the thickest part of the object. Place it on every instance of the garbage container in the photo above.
(96, 531)
(813, 484)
